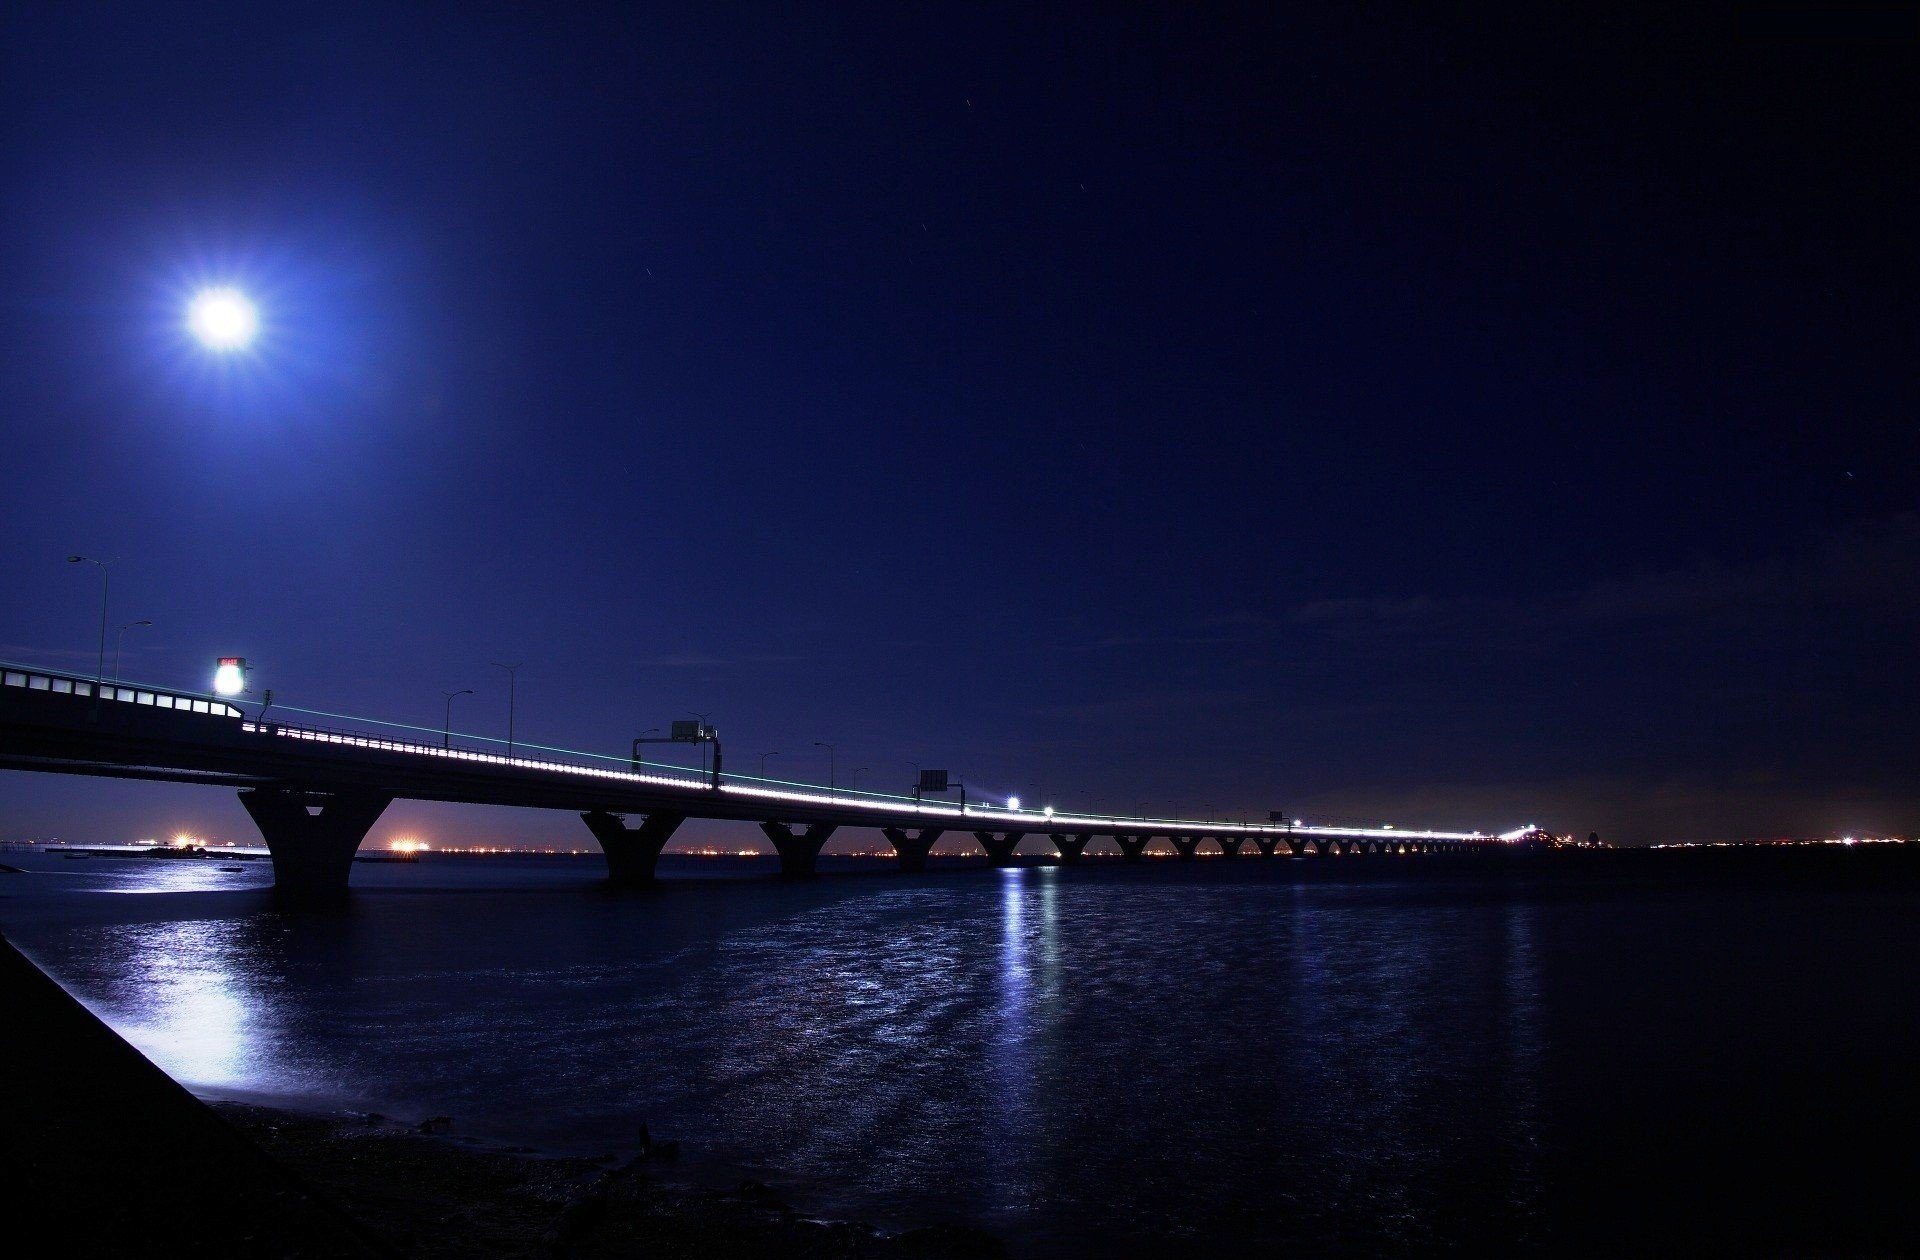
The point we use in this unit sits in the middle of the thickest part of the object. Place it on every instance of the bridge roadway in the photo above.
(315, 792)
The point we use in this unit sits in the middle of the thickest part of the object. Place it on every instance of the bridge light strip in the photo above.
(880, 804)
(894, 807)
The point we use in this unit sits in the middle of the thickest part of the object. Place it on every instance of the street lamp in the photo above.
(821, 743)
(513, 684)
(100, 666)
(855, 775)
(763, 761)
(446, 729)
(120, 638)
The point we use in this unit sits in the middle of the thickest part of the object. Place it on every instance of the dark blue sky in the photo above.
(1469, 421)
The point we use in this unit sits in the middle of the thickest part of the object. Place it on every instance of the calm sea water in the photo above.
(1358, 1056)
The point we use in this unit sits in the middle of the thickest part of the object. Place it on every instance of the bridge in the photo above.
(315, 791)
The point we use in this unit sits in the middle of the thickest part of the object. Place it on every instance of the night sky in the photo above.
(1458, 420)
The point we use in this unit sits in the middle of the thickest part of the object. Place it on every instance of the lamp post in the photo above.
(446, 729)
(821, 743)
(120, 638)
(855, 776)
(513, 685)
(106, 576)
(763, 761)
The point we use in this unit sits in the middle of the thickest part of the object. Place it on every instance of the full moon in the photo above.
(222, 319)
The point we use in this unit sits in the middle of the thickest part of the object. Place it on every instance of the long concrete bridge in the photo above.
(316, 791)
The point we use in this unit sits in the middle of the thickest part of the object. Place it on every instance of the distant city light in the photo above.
(182, 841)
(222, 319)
(230, 676)
(408, 845)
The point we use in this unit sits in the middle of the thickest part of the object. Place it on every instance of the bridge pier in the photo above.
(1268, 845)
(632, 852)
(1187, 847)
(1000, 845)
(1230, 845)
(798, 852)
(313, 847)
(1070, 846)
(1133, 848)
(912, 849)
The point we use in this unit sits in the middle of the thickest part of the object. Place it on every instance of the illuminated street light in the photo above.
(120, 638)
(230, 676)
(222, 319)
(1013, 802)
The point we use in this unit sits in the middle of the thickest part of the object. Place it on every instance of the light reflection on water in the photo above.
(1160, 1057)
(186, 1003)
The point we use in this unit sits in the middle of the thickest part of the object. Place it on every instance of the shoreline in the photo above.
(105, 1152)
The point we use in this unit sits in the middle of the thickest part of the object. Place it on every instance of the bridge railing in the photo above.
(450, 752)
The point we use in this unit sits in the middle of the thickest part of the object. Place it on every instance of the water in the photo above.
(1338, 1057)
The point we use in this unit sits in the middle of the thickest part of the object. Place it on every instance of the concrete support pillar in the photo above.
(1000, 846)
(798, 850)
(1268, 845)
(632, 852)
(912, 849)
(1230, 845)
(1133, 848)
(1295, 844)
(313, 835)
(1071, 846)
(1186, 846)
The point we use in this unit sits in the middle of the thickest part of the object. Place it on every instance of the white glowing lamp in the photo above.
(1013, 802)
(230, 676)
